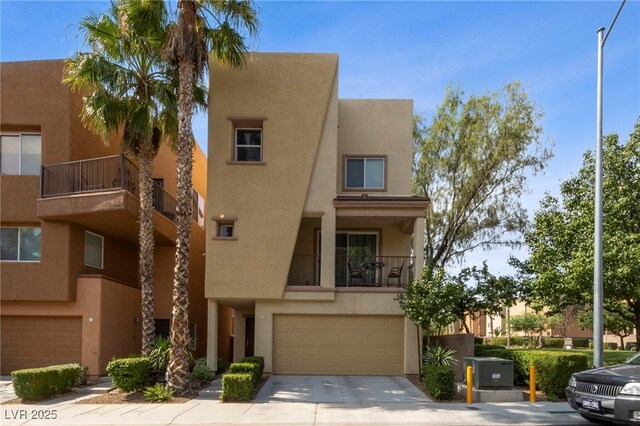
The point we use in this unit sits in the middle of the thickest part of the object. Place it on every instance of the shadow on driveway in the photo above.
(340, 389)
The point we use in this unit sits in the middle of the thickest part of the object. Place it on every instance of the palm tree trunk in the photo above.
(178, 369)
(147, 246)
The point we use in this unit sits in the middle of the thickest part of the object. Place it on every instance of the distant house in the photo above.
(69, 281)
(310, 219)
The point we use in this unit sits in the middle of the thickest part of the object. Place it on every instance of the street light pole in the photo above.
(597, 246)
(598, 293)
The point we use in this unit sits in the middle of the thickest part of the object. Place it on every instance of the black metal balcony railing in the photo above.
(354, 271)
(101, 175)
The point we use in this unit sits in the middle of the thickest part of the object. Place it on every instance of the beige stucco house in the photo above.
(310, 219)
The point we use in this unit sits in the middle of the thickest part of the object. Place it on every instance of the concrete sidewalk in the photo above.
(206, 409)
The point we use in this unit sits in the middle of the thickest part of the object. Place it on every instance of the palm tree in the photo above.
(191, 39)
(129, 89)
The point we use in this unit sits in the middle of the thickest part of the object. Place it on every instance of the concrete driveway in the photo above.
(333, 389)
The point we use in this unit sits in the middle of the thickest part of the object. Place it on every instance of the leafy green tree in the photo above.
(533, 325)
(203, 28)
(129, 89)
(612, 322)
(482, 293)
(559, 269)
(471, 160)
(429, 302)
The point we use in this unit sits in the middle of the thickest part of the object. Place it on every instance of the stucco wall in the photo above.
(292, 92)
(377, 127)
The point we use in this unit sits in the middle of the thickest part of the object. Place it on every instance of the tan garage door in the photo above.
(29, 342)
(337, 344)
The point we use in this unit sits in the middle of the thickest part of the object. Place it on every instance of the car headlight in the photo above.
(572, 382)
(631, 389)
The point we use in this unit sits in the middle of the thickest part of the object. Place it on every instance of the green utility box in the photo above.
(490, 373)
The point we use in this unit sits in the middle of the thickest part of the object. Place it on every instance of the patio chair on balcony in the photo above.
(395, 273)
(354, 273)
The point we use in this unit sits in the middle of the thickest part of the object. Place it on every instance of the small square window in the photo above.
(248, 144)
(20, 244)
(364, 173)
(93, 250)
(225, 230)
(20, 154)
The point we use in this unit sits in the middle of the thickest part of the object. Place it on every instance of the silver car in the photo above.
(608, 394)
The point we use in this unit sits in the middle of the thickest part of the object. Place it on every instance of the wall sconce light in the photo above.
(90, 319)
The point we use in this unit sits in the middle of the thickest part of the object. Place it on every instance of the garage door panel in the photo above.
(28, 342)
(361, 345)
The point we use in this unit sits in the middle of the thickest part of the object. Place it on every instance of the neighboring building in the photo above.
(69, 281)
(310, 219)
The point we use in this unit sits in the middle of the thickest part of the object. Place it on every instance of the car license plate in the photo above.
(591, 404)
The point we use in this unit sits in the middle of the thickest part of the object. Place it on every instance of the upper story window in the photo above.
(20, 244)
(248, 144)
(93, 250)
(364, 173)
(20, 154)
(198, 208)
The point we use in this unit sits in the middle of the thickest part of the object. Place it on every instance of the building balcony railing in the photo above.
(354, 271)
(98, 175)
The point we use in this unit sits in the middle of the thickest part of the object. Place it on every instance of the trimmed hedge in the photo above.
(515, 341)
(250, 368)
(45, 382)
(482, 350)
(237, 387)
(439, 381)
(612, 346)
(200, 372)
(631, 346)
(256, 360)
(130, 374)
(581, 342)
(553, 368)
(553, 342)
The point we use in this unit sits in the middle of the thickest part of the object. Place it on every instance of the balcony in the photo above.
(99, 175)
(354, 271)
(101, 194)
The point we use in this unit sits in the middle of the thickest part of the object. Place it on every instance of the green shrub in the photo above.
(45, 382)
(482, 350)
(631, 346)
(515, 341)
(158, 393)
(439, 355)
(439, 381)
(581, 342)
(255, 359)
(237, 387)
(250, 368)
(553, 342)
(159, 354)
(590, 344)
(611, 346)
(222, 365)
(553, 368)
(130, 374)
(201, 372)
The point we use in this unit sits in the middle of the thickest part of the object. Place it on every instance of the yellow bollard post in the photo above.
(469, 384)
(532, 383)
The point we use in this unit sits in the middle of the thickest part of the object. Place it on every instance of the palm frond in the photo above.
(227, 45)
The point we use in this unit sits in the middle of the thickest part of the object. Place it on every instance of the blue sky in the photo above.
(415, 49)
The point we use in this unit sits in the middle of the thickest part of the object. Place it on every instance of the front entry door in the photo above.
(249, 335)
